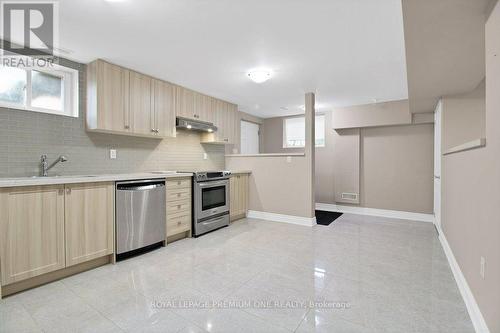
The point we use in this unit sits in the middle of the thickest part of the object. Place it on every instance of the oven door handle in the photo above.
(213, 221)
(213, 184)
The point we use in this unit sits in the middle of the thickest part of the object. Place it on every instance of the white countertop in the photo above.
(36, 181)
(240, 171)
(266, 155)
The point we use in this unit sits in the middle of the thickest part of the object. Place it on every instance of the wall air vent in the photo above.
(350, 196)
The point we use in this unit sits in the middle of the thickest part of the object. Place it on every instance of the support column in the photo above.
(310, 147)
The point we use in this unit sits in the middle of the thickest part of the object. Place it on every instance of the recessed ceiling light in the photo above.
(260, 75)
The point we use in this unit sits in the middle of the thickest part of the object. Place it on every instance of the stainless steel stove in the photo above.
(210, 201)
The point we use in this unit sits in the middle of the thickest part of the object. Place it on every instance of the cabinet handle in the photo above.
(179, 223)
(178, 206)
(68, 191)
(178, 195)
(61, 191)
(153, 130)
(178, 183)
(126, 126)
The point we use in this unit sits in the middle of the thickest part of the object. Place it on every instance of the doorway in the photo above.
(249, 137)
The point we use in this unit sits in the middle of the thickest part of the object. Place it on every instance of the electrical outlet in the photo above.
(205, 156)
(289, 159)
(483, 267)
(112, 154)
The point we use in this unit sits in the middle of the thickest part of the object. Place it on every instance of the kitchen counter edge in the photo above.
(27, 181)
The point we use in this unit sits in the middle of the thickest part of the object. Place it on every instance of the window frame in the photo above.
(69, 91)
(285, 146)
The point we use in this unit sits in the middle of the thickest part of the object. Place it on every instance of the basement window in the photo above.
(53, 90)
(294, 132)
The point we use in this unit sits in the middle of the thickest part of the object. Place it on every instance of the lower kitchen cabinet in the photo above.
(238, 188)
(179, 215)
(31, 231)
(89, 216)
(48, 228)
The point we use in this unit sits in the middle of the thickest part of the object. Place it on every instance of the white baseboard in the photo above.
(299, 220)
(376, 212)
(470, 302)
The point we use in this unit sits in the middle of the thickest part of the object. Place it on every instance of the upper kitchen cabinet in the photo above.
(125, 102)
(184, 103)
(203, 108)
(107, 98)
(225, 118)
(193, 105)
(164, 108)
(141, 104)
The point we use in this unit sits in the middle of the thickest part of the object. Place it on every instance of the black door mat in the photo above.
(325, 218)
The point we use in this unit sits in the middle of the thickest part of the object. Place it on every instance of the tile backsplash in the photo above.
(25, 135)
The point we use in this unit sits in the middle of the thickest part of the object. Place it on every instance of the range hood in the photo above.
(195, 125)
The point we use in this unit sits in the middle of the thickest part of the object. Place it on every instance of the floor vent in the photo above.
(350, 196)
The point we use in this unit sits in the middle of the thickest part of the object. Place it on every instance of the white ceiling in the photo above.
(444, 48)
(348, 51)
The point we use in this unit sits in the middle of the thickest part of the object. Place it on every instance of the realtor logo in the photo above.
(29, 28)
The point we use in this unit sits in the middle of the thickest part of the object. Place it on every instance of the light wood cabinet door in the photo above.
(178, 206)
(225, 118)
(89, 216)
(203, 108)
(220, 109)
(185, 103)
(141, 104)
(164, 108)
(31, 231)
(107, 93)
(238, 187)
(231, 123)
(233, 197)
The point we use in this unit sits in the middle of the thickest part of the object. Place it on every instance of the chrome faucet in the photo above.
(46, 167)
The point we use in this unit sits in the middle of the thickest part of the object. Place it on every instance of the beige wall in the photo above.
(379, 114)
(272, 142)
(275, 185)
(467, 122)
(471, 191)
(357, 160)
(281, 184)
(345, 163)
(324, 166)
(397, 165)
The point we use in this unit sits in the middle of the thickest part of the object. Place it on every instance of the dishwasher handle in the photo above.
(145, 186)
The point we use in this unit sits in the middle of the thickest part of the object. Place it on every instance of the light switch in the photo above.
(205, 156)
(112, 154)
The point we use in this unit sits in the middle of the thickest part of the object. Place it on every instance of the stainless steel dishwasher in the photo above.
(140, 215)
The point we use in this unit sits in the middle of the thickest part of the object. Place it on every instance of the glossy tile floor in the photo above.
(360, 274)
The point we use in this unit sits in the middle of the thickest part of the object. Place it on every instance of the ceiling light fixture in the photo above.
(260, 75)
